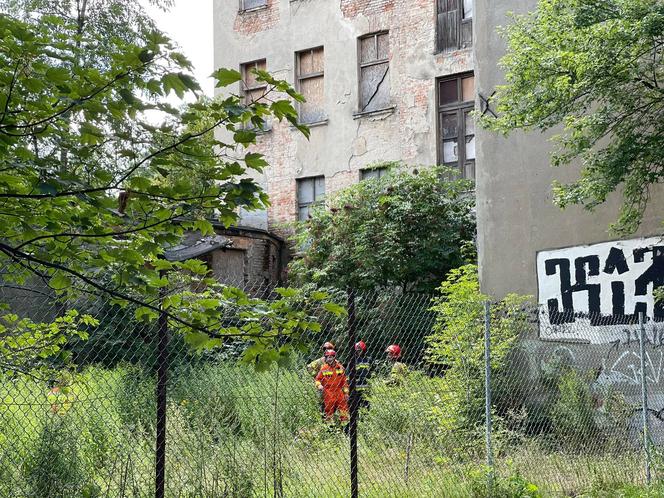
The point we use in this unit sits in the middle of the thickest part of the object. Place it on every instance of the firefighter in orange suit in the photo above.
(331, 381)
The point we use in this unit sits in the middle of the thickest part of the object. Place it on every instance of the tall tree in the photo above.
(594, 67)
(91, 191)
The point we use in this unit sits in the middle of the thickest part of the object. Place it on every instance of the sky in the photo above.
(189, 23)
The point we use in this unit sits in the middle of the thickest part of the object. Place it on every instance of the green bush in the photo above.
(484, 484)
(456, 346)
(53, 467)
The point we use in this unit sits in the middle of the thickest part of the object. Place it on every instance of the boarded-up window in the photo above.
(228, 266)
(252, 4)
(374, 72)
(252, 89)
(456, 128)
(367, 174)
(454, 24)
(310, 70)
(309, 191)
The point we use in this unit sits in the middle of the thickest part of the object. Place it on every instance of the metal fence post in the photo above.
(162, 379)
(487, 392)
(644, 395)
(352, 395)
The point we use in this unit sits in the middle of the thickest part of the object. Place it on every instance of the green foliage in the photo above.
(578, 424)
(573, 415)
(103, 445)
(54, 468)
(594, 67)
(456, 345)
(511, 486)
(402, 230)
(79, 92)
(27, 346)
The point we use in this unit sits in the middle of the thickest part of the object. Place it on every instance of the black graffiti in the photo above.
(654, 337)
(589, 266)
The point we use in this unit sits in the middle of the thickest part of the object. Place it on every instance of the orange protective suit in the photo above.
(333, 380)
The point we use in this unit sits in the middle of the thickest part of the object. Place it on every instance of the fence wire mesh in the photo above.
(566, 403)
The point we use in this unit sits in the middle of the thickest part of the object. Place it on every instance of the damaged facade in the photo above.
(385, 80)
(389, 80)
(244, 257)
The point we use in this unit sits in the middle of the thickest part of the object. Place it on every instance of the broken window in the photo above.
(309, 192)
(456, 128)
(252, 89)
(369, 173)
(374, 69)
(454, 24)
(310, 84)
(252, 4)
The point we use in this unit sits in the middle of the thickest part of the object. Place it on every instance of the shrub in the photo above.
(53, 467)
(404, 230)
(456, 346)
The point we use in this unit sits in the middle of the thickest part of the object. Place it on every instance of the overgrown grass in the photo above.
(233, 432)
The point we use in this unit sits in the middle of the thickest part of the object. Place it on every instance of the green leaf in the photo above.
(58, 75)
(145, 314)
(60, 281)
(336, 309)
(255, 161)
(286, 291)
(226, 77)
(244, 137)
(204, 226)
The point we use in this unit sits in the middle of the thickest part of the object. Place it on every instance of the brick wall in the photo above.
(347, 143)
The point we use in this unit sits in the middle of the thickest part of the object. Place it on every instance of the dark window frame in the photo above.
(382, 171)
(301, 204)
(361, 106)
(462, 24)
(245, 90)
(461, 108)
(242, 7)
(299, 77)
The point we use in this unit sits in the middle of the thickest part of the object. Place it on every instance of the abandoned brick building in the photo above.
(397, 80)
(384, 80)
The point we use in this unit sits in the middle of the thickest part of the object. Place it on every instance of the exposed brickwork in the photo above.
(255, 21)
(255, 259)
(340, 149)
(353, 8)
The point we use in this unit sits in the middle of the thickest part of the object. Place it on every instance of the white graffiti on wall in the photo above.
(593, 292)
(627, 368)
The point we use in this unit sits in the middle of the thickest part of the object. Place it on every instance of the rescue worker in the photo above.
(399, 370)
(363, 368)
(331, 381)
(315, 365)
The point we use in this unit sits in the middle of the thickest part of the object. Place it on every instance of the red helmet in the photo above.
(327, 345)
(393, 351)
(330, 352)
(360, 346)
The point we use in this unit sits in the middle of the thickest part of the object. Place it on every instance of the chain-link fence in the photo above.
(133, 409)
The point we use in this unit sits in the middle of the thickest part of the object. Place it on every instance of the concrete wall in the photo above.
(346, 143)
(516, 216)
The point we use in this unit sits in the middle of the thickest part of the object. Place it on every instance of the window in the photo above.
(369, 173)
(252, 4)
(456, 98)
(454, 24)
(309, 192)
(374, 67)
(251, 88)
(309, 64)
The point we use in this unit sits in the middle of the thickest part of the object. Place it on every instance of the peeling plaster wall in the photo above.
(516, 214)
(346, 144)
